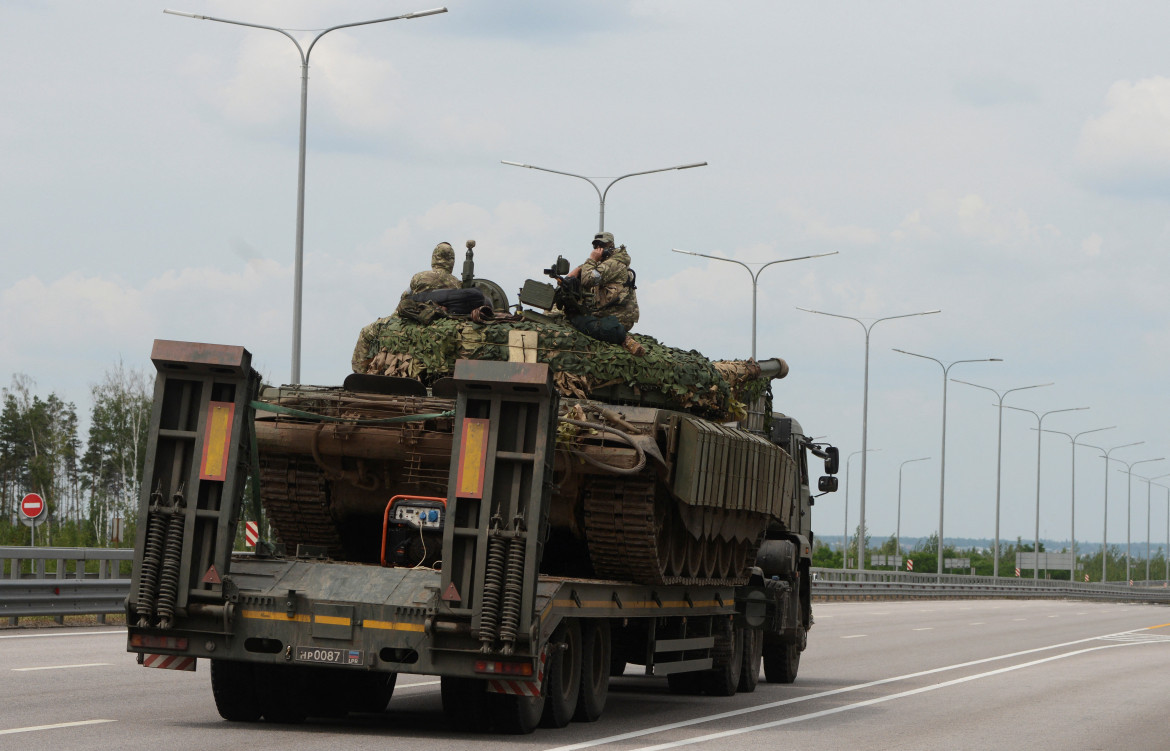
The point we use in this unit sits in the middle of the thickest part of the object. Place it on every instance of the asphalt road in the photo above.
(974, 674)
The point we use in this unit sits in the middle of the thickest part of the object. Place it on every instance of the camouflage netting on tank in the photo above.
(580, 364)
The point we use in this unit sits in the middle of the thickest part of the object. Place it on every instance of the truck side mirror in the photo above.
(827, 484)
(832, 460)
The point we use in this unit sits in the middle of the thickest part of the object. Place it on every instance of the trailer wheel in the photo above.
(596, 664)
(562, 675)
(467, 703)
(370, 692)
(284, 695)
(781, 662)
(233, 686)
(753, 655)
(517, 715)
(723, 677)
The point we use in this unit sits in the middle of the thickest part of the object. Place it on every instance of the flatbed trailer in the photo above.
(291, 634)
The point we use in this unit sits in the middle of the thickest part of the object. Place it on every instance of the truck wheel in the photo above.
(284, 695)
(467, 703)
(781, 662)
(723, 677)
(517, 715)
(370, 692)
(753, 655)
(562, 675)
(233, 686)
(596, 663)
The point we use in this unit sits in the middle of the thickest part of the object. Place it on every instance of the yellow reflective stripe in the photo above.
(332, 620)
(264, 615)
(393, 625)
(638, 604)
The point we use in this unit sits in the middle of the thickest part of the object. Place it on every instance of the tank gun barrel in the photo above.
(773, 367)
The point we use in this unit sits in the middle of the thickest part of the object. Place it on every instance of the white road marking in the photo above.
(1019, 619)
(121, 632)
(420, 683)
(978, 623)
(53, 727)
(832, 692)
(925, 628)
(854, 636)
(62, 667)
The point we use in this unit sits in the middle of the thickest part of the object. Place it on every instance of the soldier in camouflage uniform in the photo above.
(608, 274)
(439, 276)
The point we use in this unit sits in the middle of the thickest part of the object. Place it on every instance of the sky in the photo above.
(1005, 163)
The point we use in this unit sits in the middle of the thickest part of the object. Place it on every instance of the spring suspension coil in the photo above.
(168, 587)
(493, 586)
(513, 592)
(156, 531)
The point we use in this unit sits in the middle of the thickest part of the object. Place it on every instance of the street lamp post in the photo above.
(999, 455)
(942, 471)
(298, 273)
(602, 193)
(1040, 434)
(845, 539)
(1149, 483)
(1129, 506)
(865, 409)
(755, 278)
(1073, 491)
(1105, 523)
(898, 528)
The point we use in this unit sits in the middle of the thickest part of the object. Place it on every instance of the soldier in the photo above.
(439, 276)
(608, 273)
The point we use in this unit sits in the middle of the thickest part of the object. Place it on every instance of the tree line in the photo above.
(86, 486)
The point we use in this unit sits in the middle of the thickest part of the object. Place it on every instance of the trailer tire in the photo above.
(233, 684)
(727, 655)
(596, 664)
(687, 684)
(285, 693)
(562, 676)
(781, 662)
(370, 692)
(517, 715)
(753, 656)
(467, 703)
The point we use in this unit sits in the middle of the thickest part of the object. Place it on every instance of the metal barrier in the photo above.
(835, 583)
(63, 581)
(57, 583)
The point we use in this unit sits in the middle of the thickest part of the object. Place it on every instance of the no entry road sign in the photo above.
(32, 506)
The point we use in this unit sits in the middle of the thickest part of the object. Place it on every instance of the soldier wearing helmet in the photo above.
(607, 272)
(439, 276)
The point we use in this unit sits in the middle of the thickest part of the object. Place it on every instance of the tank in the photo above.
(667, 469)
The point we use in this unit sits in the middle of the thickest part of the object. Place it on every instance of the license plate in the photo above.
(329, 656)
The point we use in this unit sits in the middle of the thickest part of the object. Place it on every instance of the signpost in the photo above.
(32, 513)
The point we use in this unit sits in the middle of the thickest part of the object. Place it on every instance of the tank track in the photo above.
(293, 494)
(631, 535)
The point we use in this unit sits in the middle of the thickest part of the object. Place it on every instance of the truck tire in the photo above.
(233, 684)
(517, 715)
(596, 664)
(753, 655)
(781, 662)
(723, 677)
(370, 692)
(562, 677)
(467, 703)
(285, 693)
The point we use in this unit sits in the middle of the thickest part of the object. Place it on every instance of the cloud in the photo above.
(1126, 149)
(815, 226)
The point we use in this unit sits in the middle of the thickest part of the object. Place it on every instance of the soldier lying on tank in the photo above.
(607, 274)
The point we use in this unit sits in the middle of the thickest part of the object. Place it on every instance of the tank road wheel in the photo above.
(563, 676)
(233, 684)
(739, 557)
(517, 715)
(781, 661)
(753, 656)
(695, 559)
(596, 664)
(723, 553)
(467, 703)
(727, 655)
